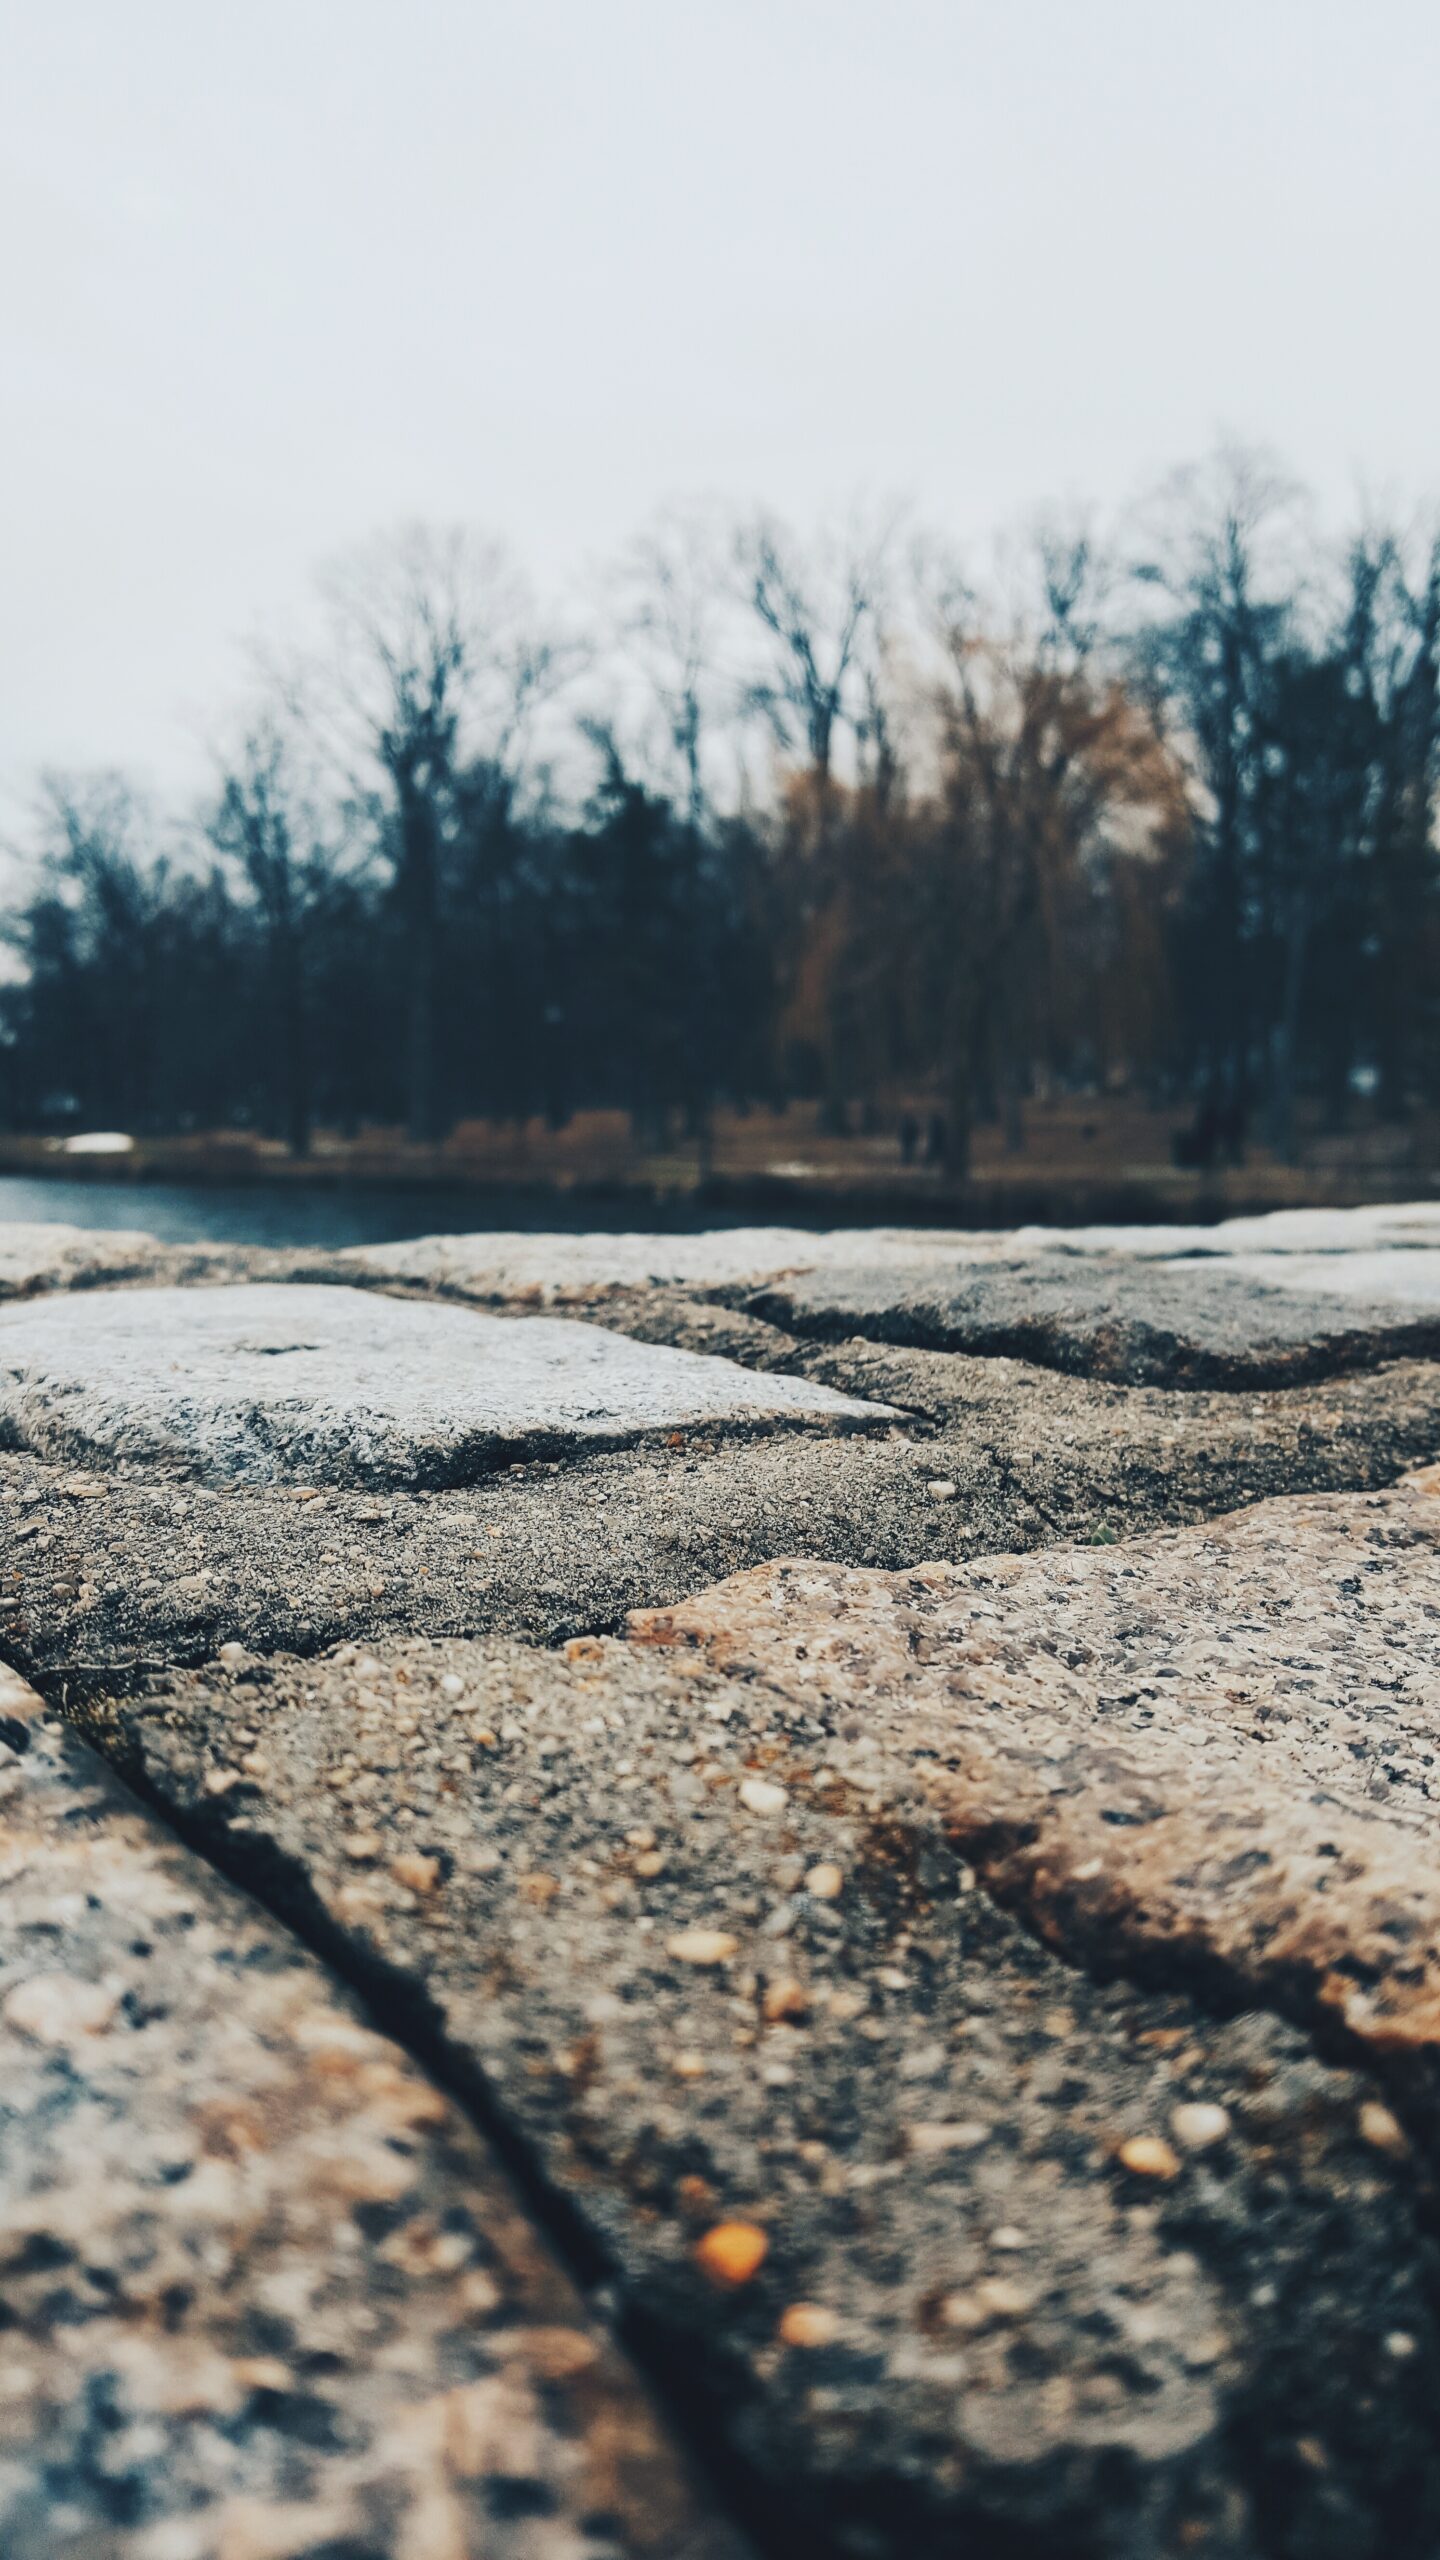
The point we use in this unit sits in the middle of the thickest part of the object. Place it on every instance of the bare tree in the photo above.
(267, 823)
(669, 603)
(1049, 767)
(814, 611)
(436, 662)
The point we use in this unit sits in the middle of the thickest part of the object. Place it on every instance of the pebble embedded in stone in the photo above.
(702, 1946)
(733, 2252)
(1198, 2127)
(1149, 2155)
(761, 1796)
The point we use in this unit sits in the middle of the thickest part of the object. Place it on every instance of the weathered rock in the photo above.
(41, 1257)
(500, 1268)
(1393, 1223)
(914, 2210)
(1217, 1323)
(1403, 1276)
(514, 1268)
(1216, 1752)
(265, 2294)
(347, 1388)
(136, 1562)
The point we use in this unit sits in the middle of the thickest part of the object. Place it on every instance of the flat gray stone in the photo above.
(1380, 1276)
(508, 1268)
(346, 1387)
(1401, 1223)
(1240, 1322)
(266, 2293)
(856, 2149)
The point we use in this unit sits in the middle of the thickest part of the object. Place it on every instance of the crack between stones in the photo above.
(693, 2387)
(687, 2391)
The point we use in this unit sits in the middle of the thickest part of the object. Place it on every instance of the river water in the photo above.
(357, 1213)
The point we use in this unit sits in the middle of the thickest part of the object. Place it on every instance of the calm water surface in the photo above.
(360, 1213)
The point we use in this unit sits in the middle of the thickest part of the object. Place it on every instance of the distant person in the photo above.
(935, 1137)
(909, 1137)
(1219, 1123)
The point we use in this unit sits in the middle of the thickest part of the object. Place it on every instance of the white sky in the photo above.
(278, 272)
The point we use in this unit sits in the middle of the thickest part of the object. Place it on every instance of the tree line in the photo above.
(773, 817)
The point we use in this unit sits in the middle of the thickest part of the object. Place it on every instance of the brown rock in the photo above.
(1218, 1749)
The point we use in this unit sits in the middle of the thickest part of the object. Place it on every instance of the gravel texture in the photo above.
(955, 2248)
(263, 2292)
(262, 1382)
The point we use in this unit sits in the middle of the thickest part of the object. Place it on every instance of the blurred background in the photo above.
(672, 613)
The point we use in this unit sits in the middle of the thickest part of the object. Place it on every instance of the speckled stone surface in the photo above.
(1209, 1322)
(263, 2293)
(270, 1381)
(715, 1961)
(1216, 1752)
(957, 1981)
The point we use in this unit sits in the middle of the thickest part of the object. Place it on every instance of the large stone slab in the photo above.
(1216, 1752)
(335, 1384)
(265, 2293)
(1238, 1322)
(502, 1268)
(955, 2249)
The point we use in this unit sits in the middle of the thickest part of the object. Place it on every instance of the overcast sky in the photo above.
(278, 272)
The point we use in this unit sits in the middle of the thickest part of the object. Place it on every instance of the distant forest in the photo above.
(762, 817)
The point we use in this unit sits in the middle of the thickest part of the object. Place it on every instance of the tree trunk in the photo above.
(422, 938)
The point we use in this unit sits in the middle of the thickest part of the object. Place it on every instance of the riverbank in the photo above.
(1081, 1162)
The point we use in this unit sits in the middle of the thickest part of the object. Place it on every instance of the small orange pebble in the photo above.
(732, 2252)
(419, 1873)
(809, 2324)
(1148, 2155)
(825, 1881)
(584, 1649)
(787, 1999)
(538, 1888)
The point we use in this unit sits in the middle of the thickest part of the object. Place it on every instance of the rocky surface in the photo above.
(956, 1984)
(1215, 1753)
(263, 2291)
(42, 1257)
(499, 1268)
(1208, 1323)
(949, 2240)
(103, 1567)
(255, 1383)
